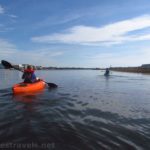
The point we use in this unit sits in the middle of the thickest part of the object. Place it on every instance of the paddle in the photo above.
(8, 65)
(51, 85)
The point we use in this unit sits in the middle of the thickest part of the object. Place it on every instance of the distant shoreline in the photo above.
(139, 69)
(131, 69)
(65, 69)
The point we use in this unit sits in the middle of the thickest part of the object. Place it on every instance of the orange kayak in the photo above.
(28, 87)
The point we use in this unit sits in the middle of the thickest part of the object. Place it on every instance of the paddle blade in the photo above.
(6, 64)
(52, 85)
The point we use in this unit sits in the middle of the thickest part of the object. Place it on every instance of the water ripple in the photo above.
(86, 112)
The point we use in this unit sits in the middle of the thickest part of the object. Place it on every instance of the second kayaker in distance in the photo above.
(29, 75)
(107, 72)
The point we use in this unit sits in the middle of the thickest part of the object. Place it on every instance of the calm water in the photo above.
(86, 112)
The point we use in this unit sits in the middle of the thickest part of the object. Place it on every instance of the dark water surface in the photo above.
(86, 112)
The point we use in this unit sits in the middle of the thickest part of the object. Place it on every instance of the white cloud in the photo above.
(114, 33)
(46, 57)
(56, 20)
(6, 46)
(120, 59)
(12, 16)
(43, 56)
(5, 29)
(1, 10)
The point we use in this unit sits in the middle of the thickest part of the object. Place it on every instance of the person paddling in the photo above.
(29, 75)
(107, 72)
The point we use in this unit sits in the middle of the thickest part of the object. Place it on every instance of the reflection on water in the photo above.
(27, 97)
(87, 111)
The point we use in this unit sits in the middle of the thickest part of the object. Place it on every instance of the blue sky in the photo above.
(75, 33)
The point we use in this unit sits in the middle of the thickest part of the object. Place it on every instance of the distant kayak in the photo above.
(106, 74)
(28, 87)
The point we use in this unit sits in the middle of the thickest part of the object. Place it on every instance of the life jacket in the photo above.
(29, 75)
(29, 70)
